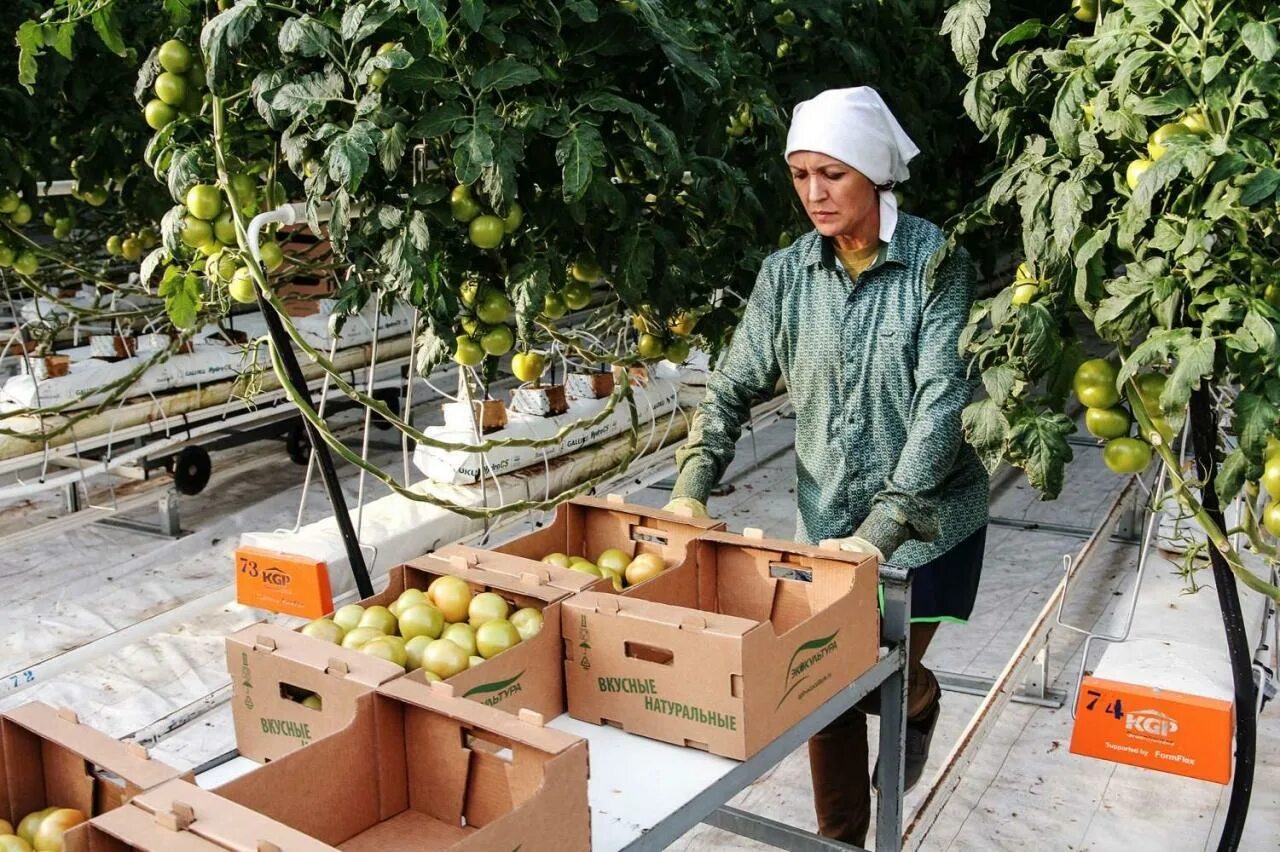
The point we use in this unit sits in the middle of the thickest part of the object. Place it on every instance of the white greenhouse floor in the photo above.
(71, 597)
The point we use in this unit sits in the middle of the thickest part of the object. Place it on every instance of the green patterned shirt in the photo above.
(877, 382)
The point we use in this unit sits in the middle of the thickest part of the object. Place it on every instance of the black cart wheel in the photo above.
(390, 397)
(297, 443)
(191, 468)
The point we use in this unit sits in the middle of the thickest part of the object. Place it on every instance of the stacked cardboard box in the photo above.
(728, 650)
(416, 768)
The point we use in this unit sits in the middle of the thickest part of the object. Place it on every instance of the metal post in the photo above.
(332, 487)
(71, 498)
(170, 523)
(895, 632)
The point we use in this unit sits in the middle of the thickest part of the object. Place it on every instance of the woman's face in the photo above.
(835, 195)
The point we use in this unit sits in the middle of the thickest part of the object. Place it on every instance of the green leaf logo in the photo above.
(818, 644)
(496, 686)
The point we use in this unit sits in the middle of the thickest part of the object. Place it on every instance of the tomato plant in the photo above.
(1168, 263)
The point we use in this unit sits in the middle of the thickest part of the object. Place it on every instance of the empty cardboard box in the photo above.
(727, 651)
(48, 758)
(420, 769)
(178, 816)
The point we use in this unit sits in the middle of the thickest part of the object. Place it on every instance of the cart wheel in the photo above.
(191, 469)
(297, 444)
(391, 397)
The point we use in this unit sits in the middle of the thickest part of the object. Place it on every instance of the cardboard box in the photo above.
(418, 768)
(273, 668)
(728, 650)
(528, 676)
(47, 758)
(180, 817)
(585, 526)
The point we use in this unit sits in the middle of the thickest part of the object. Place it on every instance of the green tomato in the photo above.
(22, 215)
(1271, 519)
(498, 340)
(1095, 383)
(1150, 387)
(650, 347)
(1126, 455)
(463, 207)
(1024, 293)
(26, 263)
(9, 202)
(677, 351)
(7, 256)
(131, 249)
(487, 232)
(272, 256)
(577, 295)
(204, 201)
(242, 288)
(553, 306)
(171, 88)
(113, 245)
(174, 56)
(224, 228)
(513, 219)
(1158, 142)
(195, 232)
(1107, 422)
(1134, 172)
(158, 114)
(467, 352)
(528, 366)
(494, 308)
(1271, 478)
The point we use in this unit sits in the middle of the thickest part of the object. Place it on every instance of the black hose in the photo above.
(1203, 439)
(332, 486)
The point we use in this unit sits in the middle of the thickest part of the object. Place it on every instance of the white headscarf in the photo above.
(856, 127)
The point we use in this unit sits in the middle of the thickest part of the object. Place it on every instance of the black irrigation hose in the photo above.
(1203, 434)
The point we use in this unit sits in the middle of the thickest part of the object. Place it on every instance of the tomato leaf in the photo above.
(999, 380)
(1037, 443)
(635, 265)
(530, 283)
(391, 148)
(473, 152)
(184, 173)
(579, 153)
(966, 23)
(1070, 204)
(309, 95)
(504, 74)
(1234, 471)
(585, 10)
(1255, 417)
(1194, 361)
(985, 428)
(1165, 103)
(1037, 338)
(107, 26)
(1064, 121)
(305, 36)
(472, 12)
(347, 157)
(1260, 38)
(439, 121)
(498, 179)
(1260, 187)
(223, 34)
(432, 17)
(1024, 31)
(30, 40)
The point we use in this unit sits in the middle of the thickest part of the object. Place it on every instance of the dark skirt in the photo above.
(945, 588)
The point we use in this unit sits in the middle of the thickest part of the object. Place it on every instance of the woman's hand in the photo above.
(687, 506)
(854, 544)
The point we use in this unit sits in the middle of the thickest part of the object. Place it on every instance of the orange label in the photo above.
(1154, 728)
(282, 582)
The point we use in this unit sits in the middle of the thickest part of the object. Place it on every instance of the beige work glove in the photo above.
(687, 505)
(854, 544)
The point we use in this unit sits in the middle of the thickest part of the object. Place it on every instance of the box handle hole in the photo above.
(648, 653)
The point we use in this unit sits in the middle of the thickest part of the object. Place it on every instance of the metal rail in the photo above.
(963, 752)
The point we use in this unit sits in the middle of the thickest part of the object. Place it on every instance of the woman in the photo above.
(865, 332)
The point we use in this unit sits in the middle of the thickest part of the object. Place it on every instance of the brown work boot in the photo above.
(916, 754)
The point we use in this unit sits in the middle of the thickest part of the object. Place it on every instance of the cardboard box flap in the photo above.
(484, 568)
(519, 571)
(520, 729)
(322, 656)
(614, 502)
(177, 808)
(129, 761)
(682, 617)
